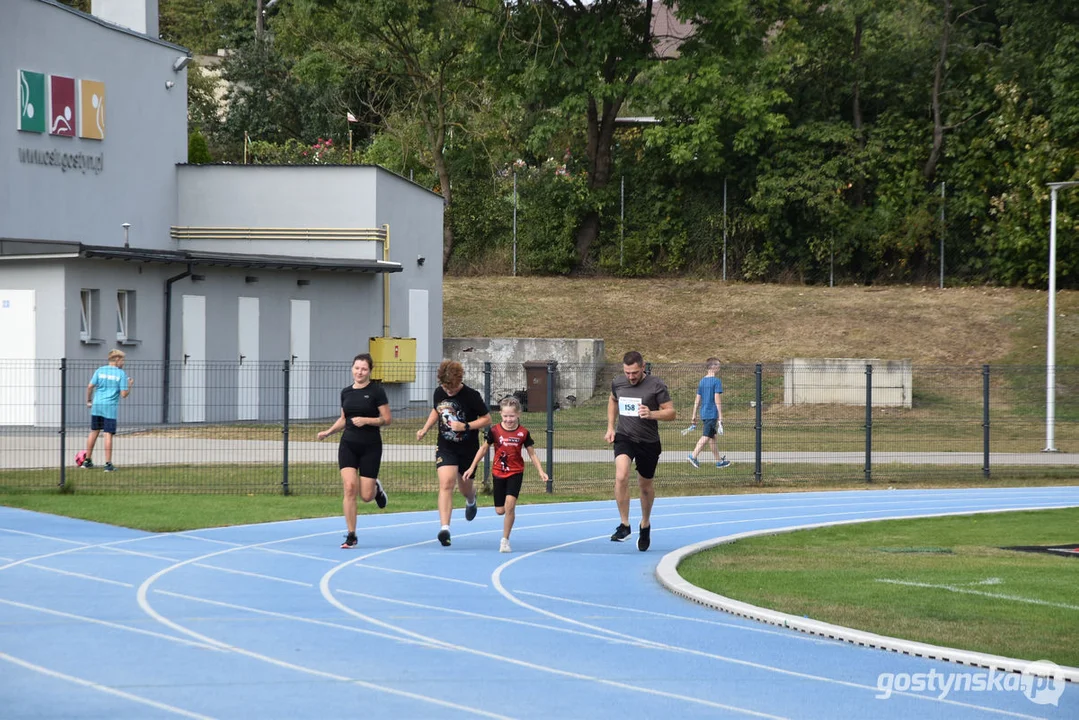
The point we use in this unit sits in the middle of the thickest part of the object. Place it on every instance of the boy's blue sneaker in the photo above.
(693, 461)
(108, 467)
(723, 462)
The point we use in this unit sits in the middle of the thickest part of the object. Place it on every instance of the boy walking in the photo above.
(710, 405)
(508, 438)
(107, 386)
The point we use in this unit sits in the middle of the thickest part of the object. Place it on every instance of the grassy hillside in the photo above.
(676, 320)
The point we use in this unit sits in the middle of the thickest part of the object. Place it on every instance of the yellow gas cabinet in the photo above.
(395, 359)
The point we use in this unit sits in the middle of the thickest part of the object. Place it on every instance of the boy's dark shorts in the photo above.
(98, 422)
(708, 427)
(461, 457)
(646, 454)
(507, 486)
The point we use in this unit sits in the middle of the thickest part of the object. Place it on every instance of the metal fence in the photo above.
(228, 427)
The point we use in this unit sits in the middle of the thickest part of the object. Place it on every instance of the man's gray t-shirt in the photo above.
(650, 392)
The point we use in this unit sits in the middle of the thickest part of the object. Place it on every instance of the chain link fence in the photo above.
(228, 427)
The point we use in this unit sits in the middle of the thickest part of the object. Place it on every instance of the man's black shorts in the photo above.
(646, 454)
(507, 486)
(365, 457)
(456, 456)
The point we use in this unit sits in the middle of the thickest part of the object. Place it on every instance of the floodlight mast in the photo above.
(1051, 344)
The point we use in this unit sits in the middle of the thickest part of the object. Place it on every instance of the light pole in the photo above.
(1051, 343)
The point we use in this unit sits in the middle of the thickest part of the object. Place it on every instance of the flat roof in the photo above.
(46, 250)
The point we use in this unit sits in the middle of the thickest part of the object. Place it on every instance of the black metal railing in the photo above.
(251, 427)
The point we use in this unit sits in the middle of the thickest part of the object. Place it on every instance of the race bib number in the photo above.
(629, 406)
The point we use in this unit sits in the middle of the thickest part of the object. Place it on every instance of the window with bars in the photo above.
(88, 315)
(125, 317)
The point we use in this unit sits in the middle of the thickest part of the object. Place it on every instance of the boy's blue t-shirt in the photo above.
(108, 381)
(707, 389)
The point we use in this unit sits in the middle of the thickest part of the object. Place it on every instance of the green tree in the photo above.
(419, 58)
(572, 66)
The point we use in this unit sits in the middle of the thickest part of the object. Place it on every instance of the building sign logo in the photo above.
(61, 106)
(31, 101)
(91, 110)
(75, 107)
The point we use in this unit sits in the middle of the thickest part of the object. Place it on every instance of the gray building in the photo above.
(108, 239)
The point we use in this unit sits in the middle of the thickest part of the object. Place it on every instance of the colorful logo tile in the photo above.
(62, 106)
(91, 109)
(31, 101)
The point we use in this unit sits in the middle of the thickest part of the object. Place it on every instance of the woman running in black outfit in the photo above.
(364, 409)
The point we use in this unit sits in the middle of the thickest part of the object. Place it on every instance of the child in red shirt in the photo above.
(509, 439)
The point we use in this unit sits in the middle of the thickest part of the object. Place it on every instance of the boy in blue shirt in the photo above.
(107, 386)
(711, 408)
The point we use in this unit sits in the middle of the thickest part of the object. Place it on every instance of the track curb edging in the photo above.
(667, 575)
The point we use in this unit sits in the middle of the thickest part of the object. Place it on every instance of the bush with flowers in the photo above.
(293, 152)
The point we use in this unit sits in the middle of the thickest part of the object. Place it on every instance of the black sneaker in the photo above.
(644, 537)
(621, 533)
(350, 541)
(444, 537)
(380, 495)
(87, 464)
(470, 511)
(108, 467)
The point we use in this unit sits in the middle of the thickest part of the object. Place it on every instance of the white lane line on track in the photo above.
(247, 573)
(964, 591)
(106, 623)
(103, 688)
(144, 603)
(425, 576)
(108, 545)
(43, 537)
(82, 576)
(685, 618)
(324, 585)
(294, 618)
(487, 617)
(497, 583)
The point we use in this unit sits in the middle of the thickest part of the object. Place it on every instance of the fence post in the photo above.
(868, 423)
(550, 427)
(487, 402)
(284, 434)
(757, 427)
(985, 420)
(63, 421)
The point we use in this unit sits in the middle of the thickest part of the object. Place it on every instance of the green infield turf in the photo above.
(945, 581)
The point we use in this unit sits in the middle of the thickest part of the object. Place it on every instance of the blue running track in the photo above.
(275, 621)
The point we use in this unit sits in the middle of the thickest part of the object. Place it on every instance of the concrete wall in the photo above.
(580, 361)
(841, 381)
(145, 131)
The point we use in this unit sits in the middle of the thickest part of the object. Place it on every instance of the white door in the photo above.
(18, 349)
(300, 349)
(247, 381)
(419, 328)
(193, 399)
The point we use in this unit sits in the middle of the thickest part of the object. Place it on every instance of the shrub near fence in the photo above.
(221, 427)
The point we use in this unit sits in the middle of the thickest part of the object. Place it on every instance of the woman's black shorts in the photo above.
(365, 457)
(507, 486)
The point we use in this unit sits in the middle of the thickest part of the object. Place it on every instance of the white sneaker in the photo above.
(504, 546)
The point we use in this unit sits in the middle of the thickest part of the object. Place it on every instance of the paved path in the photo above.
(41, 451)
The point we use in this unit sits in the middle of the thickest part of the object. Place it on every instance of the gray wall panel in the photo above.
(146, 131)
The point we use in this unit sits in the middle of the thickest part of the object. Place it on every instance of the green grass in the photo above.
(179, 499)
(832, 574)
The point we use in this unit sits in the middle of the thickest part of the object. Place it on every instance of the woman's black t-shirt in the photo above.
(364, 402)
(465, 406)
